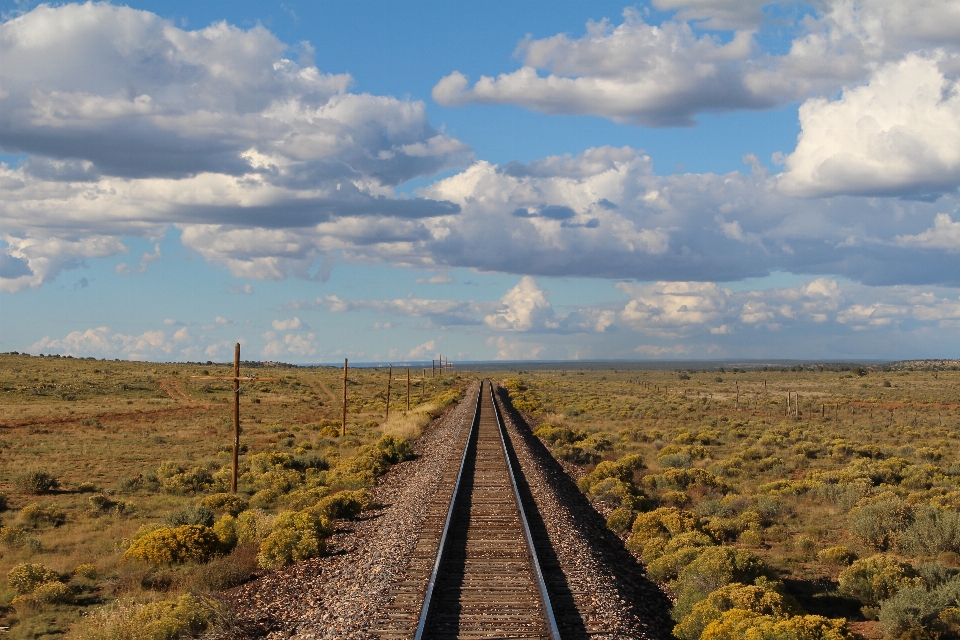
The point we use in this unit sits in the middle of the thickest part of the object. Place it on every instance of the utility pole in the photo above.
(236, 408)
(389, 378)
(408, 388)
(343, 423)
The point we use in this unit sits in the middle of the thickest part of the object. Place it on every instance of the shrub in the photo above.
(622, 470)
(102, 504)
(192, 481)
(617, 493)
(86, 570)
(932, 531)
(225, 502)
(736, 624)
(35, 482)
(760, 600)
(713, 568)
(17, 537)
(880, 523)
(186, 616)
(915, 608)
(343, 504)
(669, 565)
(53, 592)
(190, 515)
(295, 536)
(263, 499)
(664, 522)
(36, 515)
(304, 498)
(26, 577)
(871, 580)
(173, 545)
(253, 526)
(226, 530)
(226, 571)
(620, 520)
(839, 555)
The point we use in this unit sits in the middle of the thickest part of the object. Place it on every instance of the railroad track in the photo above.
(475, 572)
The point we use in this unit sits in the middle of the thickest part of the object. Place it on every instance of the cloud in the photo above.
(524, 307)
(246, 289)
(440, 312)
(666, 74)
(106, 343)
(945, 234)
(132, 123)
(287, 325)
(440, 278)
(145, 261)
(292, 344)
(515, 349)
(631, 73)
(897, 135)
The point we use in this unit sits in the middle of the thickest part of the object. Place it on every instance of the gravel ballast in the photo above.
(347, 593)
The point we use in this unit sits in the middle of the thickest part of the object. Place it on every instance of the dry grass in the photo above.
(97, 425)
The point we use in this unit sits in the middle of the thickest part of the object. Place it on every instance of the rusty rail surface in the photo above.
(485, 580)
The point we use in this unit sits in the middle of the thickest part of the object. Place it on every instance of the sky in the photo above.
(389, 181)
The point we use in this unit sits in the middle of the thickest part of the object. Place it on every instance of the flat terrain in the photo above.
(783, 463)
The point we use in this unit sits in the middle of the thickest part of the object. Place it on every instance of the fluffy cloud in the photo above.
(106, 343)
(664, 75)
(634, 72)
(898, 135)
(131, 123)
(525, 307)
(945, 234)
(291, 324)
(291, 344)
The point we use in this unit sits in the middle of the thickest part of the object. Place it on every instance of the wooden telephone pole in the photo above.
(236, 378)
(389, 378)
(343, 424)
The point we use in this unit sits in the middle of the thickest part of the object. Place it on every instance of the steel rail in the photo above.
(534, 560)
(425, 611)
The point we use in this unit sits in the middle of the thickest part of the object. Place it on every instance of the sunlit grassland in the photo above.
(102, 429)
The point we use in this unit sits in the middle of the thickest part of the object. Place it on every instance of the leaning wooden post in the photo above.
(389, 378)
(408, 388)
(433, 368)
(343, 423)
(423, 384)
(236, 417)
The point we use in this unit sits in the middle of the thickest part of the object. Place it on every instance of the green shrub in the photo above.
(880, 523)
(100, 504)
(193, 480)
(296, 536)
(932, 531)
(664, 522)
(617, 493)
(557, 436)
(622, 470)
(263, 499)
(174, 545)
(53, 592)
(224, 502)
(713, 568)
(737, 624)
(25, 577)
(18, 537)
(620, 520)
(186, 616)
(86, 570)
(35, 482)
(874, 579)
(226, 530)
(305, 498)
(839, 556)
(915, 608)
(343, 504)
(189, 515)
(36, 515)
(253, 526)
(760, 600)
(669, 565)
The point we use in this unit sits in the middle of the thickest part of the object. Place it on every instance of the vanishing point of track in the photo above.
(475, 572)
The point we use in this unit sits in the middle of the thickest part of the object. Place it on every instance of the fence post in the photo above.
(343, 423)
(389, 378)
(236, 417)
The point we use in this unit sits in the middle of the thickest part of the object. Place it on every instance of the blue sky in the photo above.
(386, 181)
